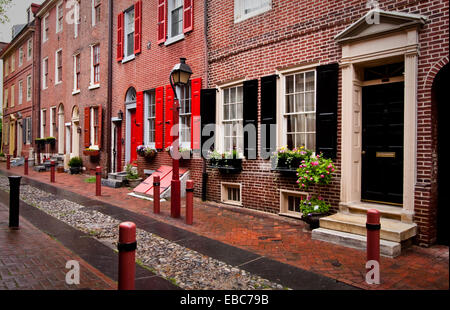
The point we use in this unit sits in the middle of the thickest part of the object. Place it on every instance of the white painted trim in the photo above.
(44, 24)
(44, 84)
(57, 18)
(239, 14)
(284, 203)
(128, 107)
(56, 66)
(223, 193)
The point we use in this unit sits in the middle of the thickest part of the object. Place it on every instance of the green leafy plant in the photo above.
(131, 172)
(90, 180)
(2, 154)
(313, 204)
(291, 159)
(146, 151)
(75, 162)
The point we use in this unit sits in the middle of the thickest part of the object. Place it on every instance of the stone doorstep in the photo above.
(391, 230)
(386, 211)
(39, 168)
(387, 248)
(112, 183)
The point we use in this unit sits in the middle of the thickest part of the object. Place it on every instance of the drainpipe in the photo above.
(109, 95)
(204, 173)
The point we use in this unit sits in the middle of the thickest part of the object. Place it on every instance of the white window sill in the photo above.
(232, 203)
(128, 58)
(57, 83)
(292, 215)
(94, 86)
(172, 40)
(94, 147)
(239, 19)
(75, 92)
(44, 88)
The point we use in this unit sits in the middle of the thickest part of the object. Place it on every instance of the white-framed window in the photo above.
(6, 67)
(45, 27)
(45, 73)
(244, 9)
(20, 92)
(174, 21)
(12, 95)
(129, 34)
(20, 56)
(43, 122)
(77, 17)
(232, 119)
(13, 62)
(96, 12)
(58, 66)
(29, 49)
(150, 117)
(299, 110)
(231, 193)
(76, 73)
(184, 95)
(95, 127)
(5, 99)
(29, 88)
(95, 65)
(53, 119)
(59, 17)
(290, 202)
(28, 130)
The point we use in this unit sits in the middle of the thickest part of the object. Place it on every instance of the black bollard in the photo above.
(14, 192)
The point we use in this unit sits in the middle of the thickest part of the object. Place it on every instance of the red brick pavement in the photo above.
(31, 260)
(278, 238)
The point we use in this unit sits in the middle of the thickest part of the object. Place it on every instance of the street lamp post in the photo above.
(179, 75)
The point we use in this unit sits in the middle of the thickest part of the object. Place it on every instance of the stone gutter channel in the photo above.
(167, 257)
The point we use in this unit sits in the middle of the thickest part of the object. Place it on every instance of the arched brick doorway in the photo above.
(441, 98)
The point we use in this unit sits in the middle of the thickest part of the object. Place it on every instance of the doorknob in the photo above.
(363, 152)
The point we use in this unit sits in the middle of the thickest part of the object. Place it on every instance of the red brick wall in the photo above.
(54, 95)
(150, 69)
(296, 32)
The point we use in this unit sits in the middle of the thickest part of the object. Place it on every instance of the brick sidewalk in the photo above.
(31, 260)
(281, 239)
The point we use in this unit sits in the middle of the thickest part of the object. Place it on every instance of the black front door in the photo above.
(382, 143)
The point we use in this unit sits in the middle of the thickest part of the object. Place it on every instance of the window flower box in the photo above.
(146, 152)
(288, 161)
(184, 152)
(91, 152)
(226, 162)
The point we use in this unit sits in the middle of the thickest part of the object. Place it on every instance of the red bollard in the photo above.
(98, 181)
(8, 161)
(373, 235)
(127, 255)
(189, 202)
(156, 192)
(52, 171)
(25, 166)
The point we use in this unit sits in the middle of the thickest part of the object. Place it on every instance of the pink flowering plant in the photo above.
(315, 170)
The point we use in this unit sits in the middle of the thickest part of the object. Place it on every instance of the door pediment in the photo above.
(377, 22)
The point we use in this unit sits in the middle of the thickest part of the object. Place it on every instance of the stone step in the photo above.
(112, 183)
(387, 248)
(391, 230)
(386, 211)
(39, 168)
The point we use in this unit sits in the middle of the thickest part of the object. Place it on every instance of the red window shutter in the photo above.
(159, 117)
(196, 87)
(99, 138)
(87, 127)
(137, 26)
(188, 16)
(140, 118)
(162, 18)
(120, 37)
(169, 115)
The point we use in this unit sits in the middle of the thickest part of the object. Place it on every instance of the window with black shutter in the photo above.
(208, 115)
(268, 114)
(250, 113)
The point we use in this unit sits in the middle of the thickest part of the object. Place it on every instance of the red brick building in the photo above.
(150, 38)
(351, 70)
(73, 62)
(18, 97)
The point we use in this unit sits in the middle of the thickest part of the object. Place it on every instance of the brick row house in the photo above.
(360, 84)
(18, 98)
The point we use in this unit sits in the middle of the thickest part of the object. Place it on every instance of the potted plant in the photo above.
(214, 158)
(75, 165)
(314, 170)
(40, 143)
(313, 208)
(90, 151)
(132, 176)
(230, 162)
(286, 160)
(146, 152)
(51, 141)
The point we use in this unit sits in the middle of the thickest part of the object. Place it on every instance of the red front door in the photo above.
(134, 143)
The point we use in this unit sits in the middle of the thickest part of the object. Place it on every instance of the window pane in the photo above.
(232, 95)
(226, 112)
(311, 122)
(290, 104)
(240, 94)
(289, 84)
(300, 140)
(226, 96)
(239, 111)
(311, 141)
(309, 81)
(309, 104)
(130, 45)
(290, 141)
(299, 82)
(299, 103)
(300, 121)
(290, 124)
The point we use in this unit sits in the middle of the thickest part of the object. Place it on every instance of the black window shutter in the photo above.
(207, 111)
(326, 107)
(24, 131)
(268, 111)
(250, 110)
